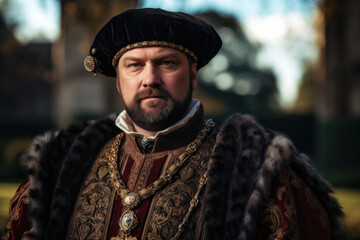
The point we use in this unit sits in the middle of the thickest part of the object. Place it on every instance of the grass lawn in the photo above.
(7, 190)
(350, 201)
(348, 198)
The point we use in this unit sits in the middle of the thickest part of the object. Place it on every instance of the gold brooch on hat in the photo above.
(90, 62)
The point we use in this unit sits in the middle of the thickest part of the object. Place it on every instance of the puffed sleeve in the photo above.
(293, 211)
(19, 223)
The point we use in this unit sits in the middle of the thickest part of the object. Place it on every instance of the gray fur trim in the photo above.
(75, 166)
(30, 162)
(240, 180)
(52, 192)
(238, 154)
(30, 159)
(277, 156)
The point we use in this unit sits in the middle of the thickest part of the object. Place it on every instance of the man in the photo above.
(161, 171)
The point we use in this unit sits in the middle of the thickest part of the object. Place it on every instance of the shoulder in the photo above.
(57, 162)
(249, 158)
(242, 134)
(61, 140)
(274, 150)
(242, 122)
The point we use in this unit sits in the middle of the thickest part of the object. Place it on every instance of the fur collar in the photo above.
(247, 159)
(57, 164)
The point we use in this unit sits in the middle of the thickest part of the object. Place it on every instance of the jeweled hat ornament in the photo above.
(148, 27)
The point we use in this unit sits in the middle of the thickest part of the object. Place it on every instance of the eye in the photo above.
(167, 62)
(134, 65)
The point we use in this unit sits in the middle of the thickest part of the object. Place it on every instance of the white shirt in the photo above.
(126, 124)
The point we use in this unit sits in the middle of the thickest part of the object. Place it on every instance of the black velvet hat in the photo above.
(149, 27)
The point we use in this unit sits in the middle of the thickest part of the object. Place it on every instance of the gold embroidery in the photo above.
(290, 208)
(142, 166)
(94, 202)
(21, 196)
(273, 215)
(145, 170)
(317, 206)
(173, 201)
(26, 234)
(290, 213)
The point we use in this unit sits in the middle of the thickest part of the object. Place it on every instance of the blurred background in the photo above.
(294, 64)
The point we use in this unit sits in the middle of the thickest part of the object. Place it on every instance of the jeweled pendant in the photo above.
(128, 221)
(131, 200)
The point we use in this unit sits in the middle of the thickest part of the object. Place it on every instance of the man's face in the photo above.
(156, 86)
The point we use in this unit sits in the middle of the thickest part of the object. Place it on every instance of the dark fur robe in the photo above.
(246, 160)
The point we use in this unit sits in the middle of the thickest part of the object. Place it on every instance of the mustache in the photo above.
(152, 92)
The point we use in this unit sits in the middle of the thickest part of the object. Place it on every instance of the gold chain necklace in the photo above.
(131, 200)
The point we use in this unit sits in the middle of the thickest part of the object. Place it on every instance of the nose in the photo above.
(151, 77)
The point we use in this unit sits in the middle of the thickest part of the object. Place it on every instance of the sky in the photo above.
(283, 27)
(37, 20)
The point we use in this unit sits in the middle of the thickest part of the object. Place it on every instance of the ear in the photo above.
(118, 81)
(194, 75)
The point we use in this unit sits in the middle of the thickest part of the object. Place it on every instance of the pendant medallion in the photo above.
(131, 200)
(128, 221)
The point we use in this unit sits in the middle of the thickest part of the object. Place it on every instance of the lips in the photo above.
(152, 97)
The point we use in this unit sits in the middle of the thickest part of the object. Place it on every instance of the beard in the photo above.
(165, 116)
